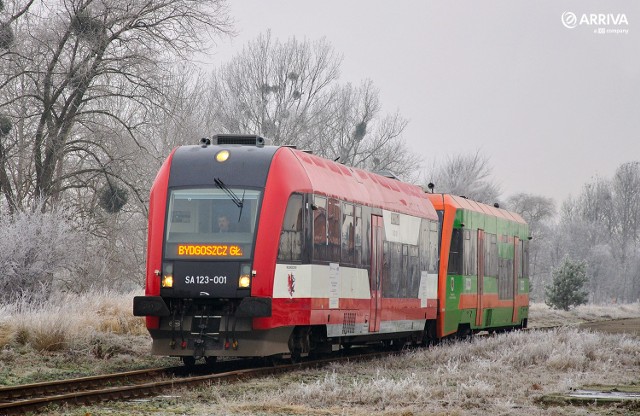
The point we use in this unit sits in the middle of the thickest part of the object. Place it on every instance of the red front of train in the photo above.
(259, 250)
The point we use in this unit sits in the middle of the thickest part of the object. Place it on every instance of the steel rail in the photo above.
(21, 399)
(83, 383)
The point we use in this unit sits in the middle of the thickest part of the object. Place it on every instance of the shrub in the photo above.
(34, 248)
(566, 289)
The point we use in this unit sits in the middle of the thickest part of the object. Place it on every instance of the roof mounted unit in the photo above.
(241, 139)
(387, 174)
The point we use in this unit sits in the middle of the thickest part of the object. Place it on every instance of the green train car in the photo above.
(483, 276)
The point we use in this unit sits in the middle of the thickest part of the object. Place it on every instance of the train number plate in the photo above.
(205, 280)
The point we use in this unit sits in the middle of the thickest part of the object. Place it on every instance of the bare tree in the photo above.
(626, 207)
(626, 211)
(539, 212)
(356, 133)
(289, 92)
(467, 175)
(81, 73)
(600, 227)
(278, 90)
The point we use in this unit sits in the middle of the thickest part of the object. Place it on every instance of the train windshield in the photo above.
(211, 223)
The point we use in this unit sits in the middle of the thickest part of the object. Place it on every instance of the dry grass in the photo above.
(72, 336)
(69, 320)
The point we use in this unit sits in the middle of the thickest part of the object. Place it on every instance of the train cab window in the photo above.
(456, 252)
(210, 223)
(347, 234)
(291, 236)
(320, 240)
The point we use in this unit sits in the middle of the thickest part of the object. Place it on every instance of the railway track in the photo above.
(135, 384)
(31, 397)
(141, 383)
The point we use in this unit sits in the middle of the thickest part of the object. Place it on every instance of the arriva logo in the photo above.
(570, 20)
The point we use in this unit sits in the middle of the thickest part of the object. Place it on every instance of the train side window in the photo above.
(490, 255)
(347, 234)
(413, 272)
(291, 241)
(404, 275)
(320, 229)
(505, 278)
(424, 245)
(525, 259)
(518, 259)
(394, 280)
(386, 261)
(456, 252)
(366, 236)
(358, 236)
(470, 244)
(333, 226)
(397, 279)
(434, 247)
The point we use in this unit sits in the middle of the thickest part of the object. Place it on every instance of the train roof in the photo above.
(192, 166)
(335, 179)
(441, 201)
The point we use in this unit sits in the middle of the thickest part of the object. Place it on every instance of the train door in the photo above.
(375, 278)
(516, 267)
(480, 277)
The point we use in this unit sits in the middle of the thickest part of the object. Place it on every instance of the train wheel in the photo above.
(283, 359)
(211, 361)
(296, 356)
(189, 361)
(464, 332)
(429, 336)
(398, 344)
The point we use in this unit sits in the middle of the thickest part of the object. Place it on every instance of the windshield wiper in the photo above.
(239, 202)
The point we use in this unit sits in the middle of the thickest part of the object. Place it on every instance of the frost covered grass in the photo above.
(541, 315)
(68, 319)
(504, 374)
(71, 335)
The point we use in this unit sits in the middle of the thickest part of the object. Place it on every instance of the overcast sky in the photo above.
(552, 105)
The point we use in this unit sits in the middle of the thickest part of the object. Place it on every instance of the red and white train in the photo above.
(258, 250)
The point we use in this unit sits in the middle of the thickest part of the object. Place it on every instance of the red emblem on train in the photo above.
(291, 284)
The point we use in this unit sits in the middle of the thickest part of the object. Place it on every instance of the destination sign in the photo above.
(209, 250)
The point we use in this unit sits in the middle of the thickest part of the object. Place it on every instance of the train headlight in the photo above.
(167, 281)
(244, 281)
(167, 275)
(222, 156)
